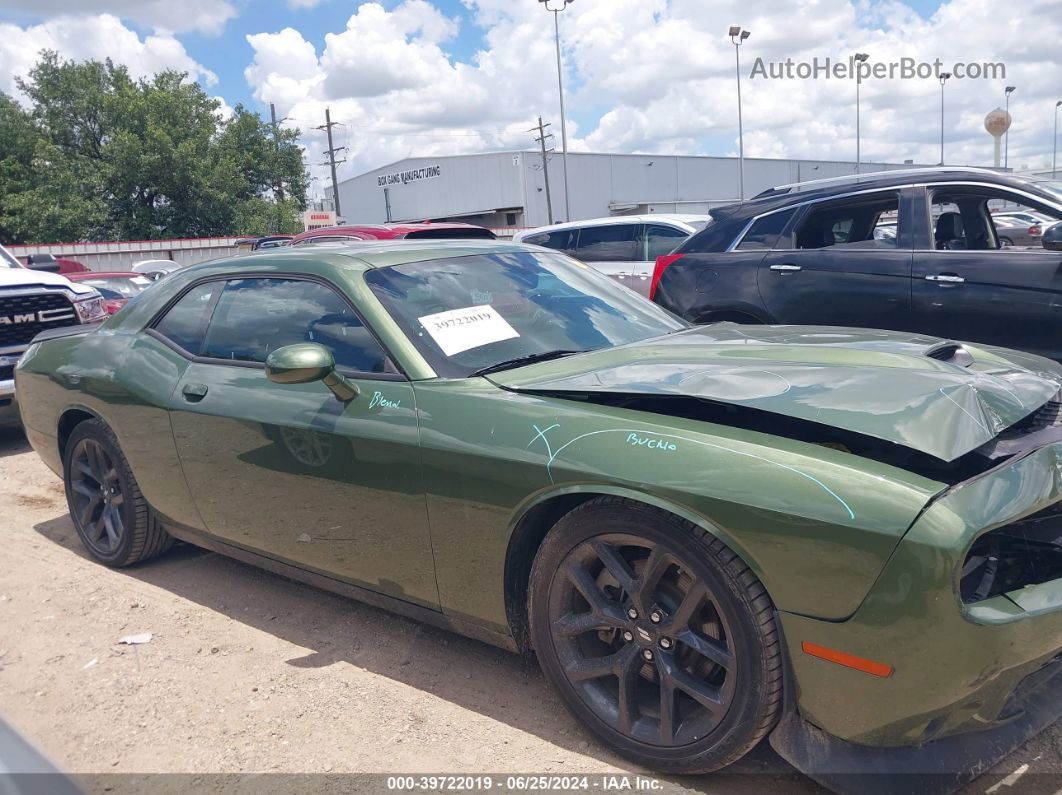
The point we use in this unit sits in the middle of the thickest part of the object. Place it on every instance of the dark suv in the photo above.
(911, 250)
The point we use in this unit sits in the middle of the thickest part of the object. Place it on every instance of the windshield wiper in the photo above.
(520, 361)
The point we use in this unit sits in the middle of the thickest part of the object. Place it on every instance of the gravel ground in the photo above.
(247, 672)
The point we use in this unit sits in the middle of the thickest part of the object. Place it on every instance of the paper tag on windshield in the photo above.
(463, 329)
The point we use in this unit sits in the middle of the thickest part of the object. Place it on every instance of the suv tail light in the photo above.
(662, 264)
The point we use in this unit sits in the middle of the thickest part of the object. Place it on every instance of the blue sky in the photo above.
(432, 77)
(228, 54)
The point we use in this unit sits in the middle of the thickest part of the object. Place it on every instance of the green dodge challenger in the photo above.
(848, 540)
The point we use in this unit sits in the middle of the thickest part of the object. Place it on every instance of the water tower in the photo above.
(997, 122)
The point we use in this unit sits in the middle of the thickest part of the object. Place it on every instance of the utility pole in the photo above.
(278, 187)
(332, 162)
(276, 146)
(542, 136)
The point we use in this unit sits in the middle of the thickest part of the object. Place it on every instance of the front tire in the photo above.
(114, 521)
(657, 636)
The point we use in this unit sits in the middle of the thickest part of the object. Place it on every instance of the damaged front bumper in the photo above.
(970, 680)
(934, 768)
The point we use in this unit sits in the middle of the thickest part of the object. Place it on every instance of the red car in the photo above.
(116, 288)
(422, 231)
(54, 264)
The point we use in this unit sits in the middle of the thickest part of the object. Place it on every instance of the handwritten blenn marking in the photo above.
(379, 400)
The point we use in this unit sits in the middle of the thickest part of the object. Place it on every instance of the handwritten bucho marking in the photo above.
(379, 400)
(637, 433)
(651, 443)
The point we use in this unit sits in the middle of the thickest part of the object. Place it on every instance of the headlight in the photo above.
(91, 309)
(27, 354)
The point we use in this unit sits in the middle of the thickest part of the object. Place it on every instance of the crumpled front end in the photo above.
(937, 397)
(964, 647)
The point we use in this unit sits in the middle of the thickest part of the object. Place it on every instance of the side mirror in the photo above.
(1052, 237)
(307, 362)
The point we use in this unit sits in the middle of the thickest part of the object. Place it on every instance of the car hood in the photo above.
(924, 393)
(26, 278)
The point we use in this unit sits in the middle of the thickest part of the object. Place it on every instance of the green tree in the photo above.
(100, 156)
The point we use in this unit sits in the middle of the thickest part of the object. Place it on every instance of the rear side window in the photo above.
(326, 239)
(558, 240)
(611, 243)
(254, 317)
(850, 223)
(661, 240)
(185, 323)
(765, 231)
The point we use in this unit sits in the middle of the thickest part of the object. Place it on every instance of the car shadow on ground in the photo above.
(13, 441)
(475, 676)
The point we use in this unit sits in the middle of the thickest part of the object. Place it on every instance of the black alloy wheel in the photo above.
(656, 635)
(642, 640)
(97, 502)
(114, 521)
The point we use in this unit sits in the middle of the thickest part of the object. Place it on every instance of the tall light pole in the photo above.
(556, 9)
(943, 79)
(860, 58)
(1054, 152)
(1006, 138)
(738, 36)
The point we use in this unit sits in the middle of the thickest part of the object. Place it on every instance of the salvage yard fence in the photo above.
(121, 255)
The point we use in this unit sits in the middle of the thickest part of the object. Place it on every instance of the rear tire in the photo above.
(114, 521)
(656, 636)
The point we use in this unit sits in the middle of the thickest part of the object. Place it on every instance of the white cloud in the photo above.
(658, 76)
(225, 111)
(383, 51)
(207, 16)
(96, 37)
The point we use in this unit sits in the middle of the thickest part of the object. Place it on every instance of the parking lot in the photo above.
(249, 672)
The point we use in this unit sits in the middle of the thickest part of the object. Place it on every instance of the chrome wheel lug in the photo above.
(628, 635)
(632, 614)
(647, 654)
(665, 643)
(655, 617)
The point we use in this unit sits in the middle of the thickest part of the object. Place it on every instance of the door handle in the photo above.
(193, 393)
(949, 278)
(786, 268)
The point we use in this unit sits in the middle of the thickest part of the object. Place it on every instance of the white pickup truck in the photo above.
(32, 301)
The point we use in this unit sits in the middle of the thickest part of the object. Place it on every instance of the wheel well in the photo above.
(526, 538)
(731, 316)
(70, 419)
(523, 546)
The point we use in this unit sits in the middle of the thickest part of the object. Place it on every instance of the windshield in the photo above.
(473, 312)
(1052, 187)
(119, 286)
(7, 260)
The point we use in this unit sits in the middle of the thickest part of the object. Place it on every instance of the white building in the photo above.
(508, 189)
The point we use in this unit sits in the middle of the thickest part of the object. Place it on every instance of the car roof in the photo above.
(729, 220)
(674, 218)
(393, 229)
(363, 255)
(83, 275)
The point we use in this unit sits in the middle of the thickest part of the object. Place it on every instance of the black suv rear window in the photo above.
(473, 233)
